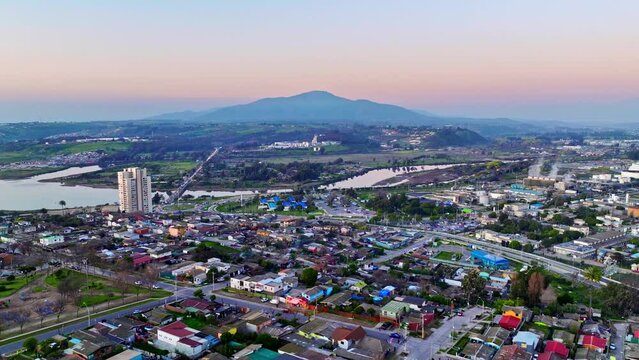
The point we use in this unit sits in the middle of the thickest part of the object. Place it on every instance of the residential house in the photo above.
(90, 345)
(345, 338)
(394, 310)
(526, 340)
(512, 352)
(177, 337)
(316, 293)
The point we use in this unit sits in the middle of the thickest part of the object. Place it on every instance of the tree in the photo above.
(308, 277)
(62, 203)
(122, 283)
(516, 245)
(473, 286)
(21, 317)
(30, 344)
(42, 310)
(212, 297)
(59, 304)
(68, 287)
(594, 274)
(528, 248)
(536, 285)
(198, 294)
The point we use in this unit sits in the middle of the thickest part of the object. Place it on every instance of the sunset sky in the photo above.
(89, 60)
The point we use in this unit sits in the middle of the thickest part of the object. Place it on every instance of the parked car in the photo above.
(386, 326)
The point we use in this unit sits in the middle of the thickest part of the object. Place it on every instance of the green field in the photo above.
(44, 151)
(220, 248)
(26, 173)
(447, 255)
(99, 290)
(10, 287)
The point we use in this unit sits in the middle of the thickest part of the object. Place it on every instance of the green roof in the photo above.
(394, 307)
(263, 354)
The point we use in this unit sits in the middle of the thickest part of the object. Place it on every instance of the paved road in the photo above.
(618, 340)
(388, 255)
(181, 293)
(180, 190)
(440, 339)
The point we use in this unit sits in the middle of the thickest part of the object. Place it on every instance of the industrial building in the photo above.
(489, 260)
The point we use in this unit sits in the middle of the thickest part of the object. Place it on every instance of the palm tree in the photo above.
(594, 274)
(62, 203)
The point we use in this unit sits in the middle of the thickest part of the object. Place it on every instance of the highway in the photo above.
(185, 184)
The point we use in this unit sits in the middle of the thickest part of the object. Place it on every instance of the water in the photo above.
(31, 194)
(370, 178)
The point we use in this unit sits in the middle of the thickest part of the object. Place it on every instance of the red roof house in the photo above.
(593, 342)
(178, 329)
(549, 355)
(557, 347)
(509, 322)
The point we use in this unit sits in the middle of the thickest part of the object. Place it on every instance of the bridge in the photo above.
(185, 184)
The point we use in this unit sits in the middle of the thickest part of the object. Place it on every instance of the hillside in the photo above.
(324, 107)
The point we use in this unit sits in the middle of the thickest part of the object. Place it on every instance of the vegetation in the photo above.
(308, 277)
(534, 230)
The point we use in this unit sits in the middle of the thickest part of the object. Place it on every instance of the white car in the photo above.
(138, 282)
(155, 286)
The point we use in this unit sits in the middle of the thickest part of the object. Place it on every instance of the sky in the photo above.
(106, 60)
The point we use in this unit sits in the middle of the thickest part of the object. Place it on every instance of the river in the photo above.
(32, 194)
(372, 177)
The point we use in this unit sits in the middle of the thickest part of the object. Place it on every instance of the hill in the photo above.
(324, 107)
(315, 106)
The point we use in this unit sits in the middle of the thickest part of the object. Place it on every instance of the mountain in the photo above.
(322, 106)
(316, 106)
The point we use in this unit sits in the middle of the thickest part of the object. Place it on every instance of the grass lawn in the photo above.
(459, 346)
(195, 323)
(545, 329)
(8, 288)
(580, 292)
(100, 288)
(90, 300)
(221, 248)
(448, 255)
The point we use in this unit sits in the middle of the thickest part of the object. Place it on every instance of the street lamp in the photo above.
(88, 313)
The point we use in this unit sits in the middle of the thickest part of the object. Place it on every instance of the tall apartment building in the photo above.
(134, 187)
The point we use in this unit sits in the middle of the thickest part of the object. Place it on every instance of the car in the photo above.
(155, 286)
(460, 313)
(613, 347)
(264, 300)
(137, 311)
(386, 326)
(138, 282)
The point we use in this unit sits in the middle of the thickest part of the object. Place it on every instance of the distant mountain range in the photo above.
(324, 107)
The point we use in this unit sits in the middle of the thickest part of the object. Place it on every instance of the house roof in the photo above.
(509, 322)
(512, 352)
(548, 355)
(189, 342)
(342, 333)
(177, 328)
(557, 347)
(590, 340)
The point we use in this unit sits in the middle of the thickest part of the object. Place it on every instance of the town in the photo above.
(530, 259)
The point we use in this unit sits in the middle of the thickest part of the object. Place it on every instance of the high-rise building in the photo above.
(134, 187)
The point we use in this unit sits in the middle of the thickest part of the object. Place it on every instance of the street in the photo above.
(419, 349)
